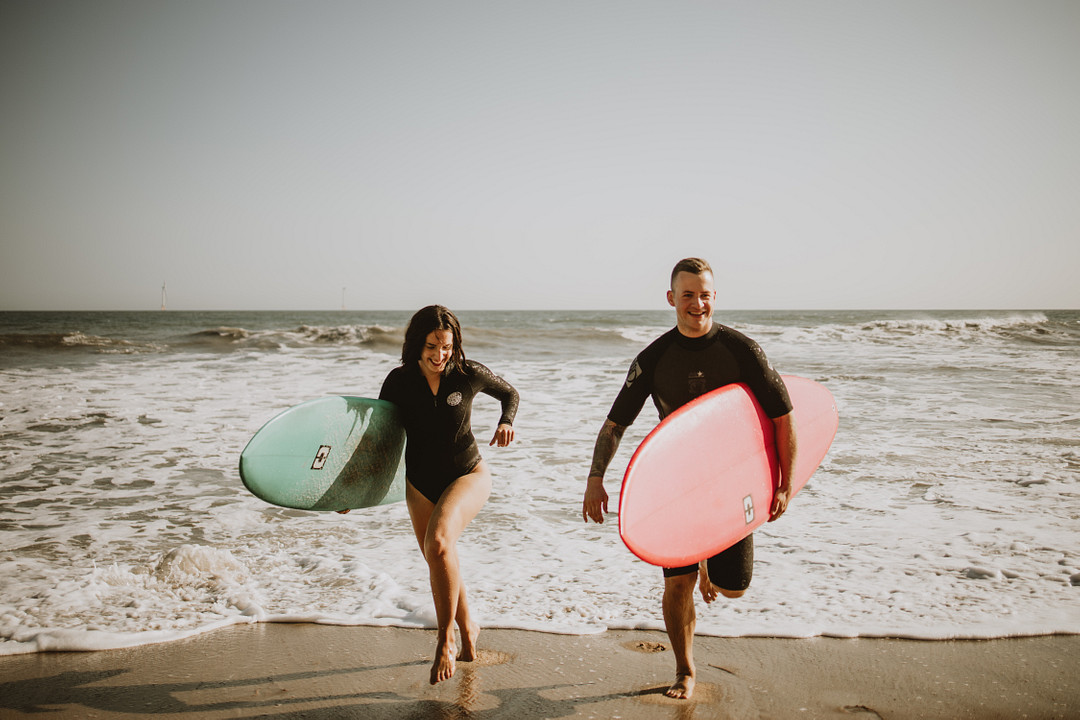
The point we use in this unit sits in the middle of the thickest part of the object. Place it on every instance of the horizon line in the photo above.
(541, 309)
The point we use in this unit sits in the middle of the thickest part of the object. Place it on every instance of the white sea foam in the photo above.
(947, 506)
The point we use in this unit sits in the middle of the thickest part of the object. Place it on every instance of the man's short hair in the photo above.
(695, 266)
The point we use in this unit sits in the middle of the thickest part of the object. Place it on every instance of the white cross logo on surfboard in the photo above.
(320, 457)
(748, 508)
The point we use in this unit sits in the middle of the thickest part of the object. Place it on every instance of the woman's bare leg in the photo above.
(442, 525)
(420, 511)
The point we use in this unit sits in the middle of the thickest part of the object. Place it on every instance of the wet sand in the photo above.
(322, 672)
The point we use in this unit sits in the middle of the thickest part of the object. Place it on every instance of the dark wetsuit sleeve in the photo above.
(491, 384)
(765, 383)
(631, 398)
(389, 390)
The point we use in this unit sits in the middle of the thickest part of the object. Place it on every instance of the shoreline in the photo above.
(325, 671)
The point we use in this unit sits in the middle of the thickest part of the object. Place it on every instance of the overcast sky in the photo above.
(528, 155)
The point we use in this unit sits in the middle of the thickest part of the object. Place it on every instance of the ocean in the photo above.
(947, 507)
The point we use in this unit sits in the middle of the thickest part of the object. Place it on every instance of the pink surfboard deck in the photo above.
(704, 478)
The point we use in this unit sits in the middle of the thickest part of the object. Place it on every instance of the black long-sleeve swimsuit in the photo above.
(440, 446)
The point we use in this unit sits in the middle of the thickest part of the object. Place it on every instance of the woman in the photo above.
(447, 480)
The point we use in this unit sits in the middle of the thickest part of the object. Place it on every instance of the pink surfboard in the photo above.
(704, 478)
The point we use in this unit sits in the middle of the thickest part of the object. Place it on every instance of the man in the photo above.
(696, 356)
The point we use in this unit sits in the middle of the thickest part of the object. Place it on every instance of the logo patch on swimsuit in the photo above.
(696, 383)
(453, 399)
(633, 374)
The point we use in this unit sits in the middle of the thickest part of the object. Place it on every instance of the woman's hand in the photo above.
(504, 435)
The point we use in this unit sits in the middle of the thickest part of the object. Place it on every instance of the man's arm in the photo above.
(596, 498)
(787, 447)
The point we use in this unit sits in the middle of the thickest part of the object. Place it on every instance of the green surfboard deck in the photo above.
(332, 453)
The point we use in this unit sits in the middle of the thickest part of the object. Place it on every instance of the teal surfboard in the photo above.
(332, 453)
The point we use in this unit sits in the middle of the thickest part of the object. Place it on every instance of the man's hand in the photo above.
(780, 502)
(596, 498)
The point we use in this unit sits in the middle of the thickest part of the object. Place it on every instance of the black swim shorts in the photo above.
(730, 570)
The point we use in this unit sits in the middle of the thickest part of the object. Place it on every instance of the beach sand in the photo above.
(322, 671)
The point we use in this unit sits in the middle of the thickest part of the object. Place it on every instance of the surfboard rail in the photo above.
(704, 478)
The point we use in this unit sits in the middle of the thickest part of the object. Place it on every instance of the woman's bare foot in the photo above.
(468, 643)
(443, 667)
(682, 689)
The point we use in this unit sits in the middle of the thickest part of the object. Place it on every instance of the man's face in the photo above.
(692, 297)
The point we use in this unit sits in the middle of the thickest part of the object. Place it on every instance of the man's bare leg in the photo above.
(709, 592)
(680, 620)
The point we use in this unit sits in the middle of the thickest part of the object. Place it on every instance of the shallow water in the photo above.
(947, 506)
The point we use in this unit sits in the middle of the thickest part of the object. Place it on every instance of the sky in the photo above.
(282, 155)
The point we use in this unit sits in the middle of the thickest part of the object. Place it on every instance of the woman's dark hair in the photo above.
(423, 323)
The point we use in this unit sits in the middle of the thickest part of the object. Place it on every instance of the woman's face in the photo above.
(438, 348)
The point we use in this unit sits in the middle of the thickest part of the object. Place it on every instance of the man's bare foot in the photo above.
(443, 667)
(468, 643)
(682, 689)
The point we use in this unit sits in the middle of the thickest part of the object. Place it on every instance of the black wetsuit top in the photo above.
(440, 446)
(675, 369)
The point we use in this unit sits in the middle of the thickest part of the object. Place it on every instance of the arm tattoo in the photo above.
(607, 442)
